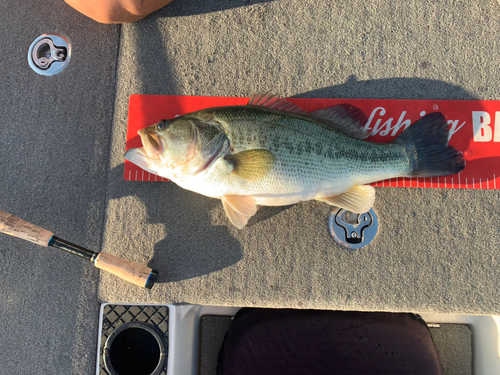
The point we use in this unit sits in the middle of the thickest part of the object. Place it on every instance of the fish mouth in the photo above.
(151, 142)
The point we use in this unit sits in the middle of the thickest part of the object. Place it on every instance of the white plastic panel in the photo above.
(184, 330)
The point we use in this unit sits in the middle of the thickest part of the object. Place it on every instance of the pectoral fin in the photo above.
(239, 209)
(358, 199)
(252, 165)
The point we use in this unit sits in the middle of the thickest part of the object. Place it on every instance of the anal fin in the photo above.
(358, 199)
(239, 209)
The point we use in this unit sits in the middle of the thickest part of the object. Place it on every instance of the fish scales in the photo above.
(335, 161)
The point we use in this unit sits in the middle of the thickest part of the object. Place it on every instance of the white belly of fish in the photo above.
(281, 187)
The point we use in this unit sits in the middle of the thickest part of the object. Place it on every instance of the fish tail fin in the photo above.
(426, 142)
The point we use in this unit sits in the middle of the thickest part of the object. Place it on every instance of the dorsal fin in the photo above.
(344, 118)
(274, 102)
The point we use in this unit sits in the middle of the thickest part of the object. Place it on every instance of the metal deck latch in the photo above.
(49, 54)
(353, 230)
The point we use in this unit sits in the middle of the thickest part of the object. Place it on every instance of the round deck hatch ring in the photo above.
(49, 54)
(135, 348)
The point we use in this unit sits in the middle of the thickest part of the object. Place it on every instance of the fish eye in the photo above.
(162, 125)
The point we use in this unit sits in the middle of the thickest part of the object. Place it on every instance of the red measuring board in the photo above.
(474, 130)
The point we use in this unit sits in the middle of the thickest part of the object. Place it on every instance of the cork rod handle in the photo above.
(14, 226)
(130, 271)
(127, 270)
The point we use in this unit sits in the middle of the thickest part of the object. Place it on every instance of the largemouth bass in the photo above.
(270, 152)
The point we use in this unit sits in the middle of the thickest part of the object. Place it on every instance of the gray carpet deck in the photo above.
(54, 137)
(61, 161)
(435, 250)
(454, 345)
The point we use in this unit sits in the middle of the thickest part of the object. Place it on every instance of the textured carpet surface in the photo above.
(436, 250)
(454, 346)
(54, 151)
(61, 160)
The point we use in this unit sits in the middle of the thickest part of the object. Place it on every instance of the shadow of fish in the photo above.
(270, 152)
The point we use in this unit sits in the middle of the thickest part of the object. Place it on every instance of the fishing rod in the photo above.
(125, 269)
